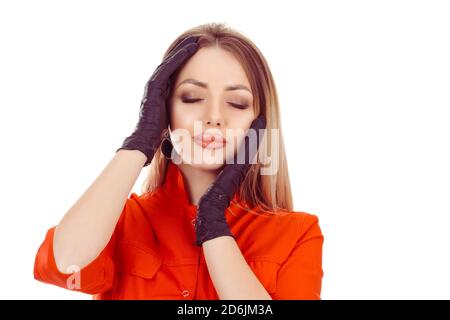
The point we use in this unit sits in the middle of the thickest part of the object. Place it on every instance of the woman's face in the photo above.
(211, 101)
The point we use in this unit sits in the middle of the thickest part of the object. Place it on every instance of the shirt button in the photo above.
(185, 293)
(193, 222)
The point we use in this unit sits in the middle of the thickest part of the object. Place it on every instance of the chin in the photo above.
(207, 166)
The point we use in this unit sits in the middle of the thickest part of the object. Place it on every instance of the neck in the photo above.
(197, 180)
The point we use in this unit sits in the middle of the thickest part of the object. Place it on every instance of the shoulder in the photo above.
(302, 224)
(278, 232)
(139, 204)
(300, 217)
(300, 232)
(305, 221)
(308, 226)
(134, 223)
(134, 206)
(298, 222)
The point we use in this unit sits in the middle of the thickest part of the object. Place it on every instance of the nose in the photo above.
(214, 117)
(213, 123)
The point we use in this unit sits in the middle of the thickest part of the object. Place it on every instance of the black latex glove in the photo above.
(211, 222)
(153, 117)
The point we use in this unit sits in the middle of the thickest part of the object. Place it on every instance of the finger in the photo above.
(163, 65)
(232, 175)
(173, 63)
(178, 47)
(254, 131)
(161, 76)
(259, 123)
(183, 43)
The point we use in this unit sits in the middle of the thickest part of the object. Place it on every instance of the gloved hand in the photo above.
(210, 221)
(153, 117)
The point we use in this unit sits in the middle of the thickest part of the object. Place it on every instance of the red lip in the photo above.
(211, 140)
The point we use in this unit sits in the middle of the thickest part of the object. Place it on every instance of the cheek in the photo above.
(242, 122)
(182, 117)
(243, 119)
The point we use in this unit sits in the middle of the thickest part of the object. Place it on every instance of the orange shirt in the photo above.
(152, 252)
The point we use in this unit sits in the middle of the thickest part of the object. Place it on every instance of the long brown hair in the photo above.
(271, 193)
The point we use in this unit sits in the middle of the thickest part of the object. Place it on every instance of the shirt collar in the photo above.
(174, 185)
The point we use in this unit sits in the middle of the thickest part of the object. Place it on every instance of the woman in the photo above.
(204, 227)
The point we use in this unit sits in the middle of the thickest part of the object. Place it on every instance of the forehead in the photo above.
(214, 66)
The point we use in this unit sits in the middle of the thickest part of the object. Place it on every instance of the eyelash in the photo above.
(238, 106)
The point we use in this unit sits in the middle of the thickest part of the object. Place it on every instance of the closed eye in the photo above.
(187, 100)
(236, 105)
(239, 106)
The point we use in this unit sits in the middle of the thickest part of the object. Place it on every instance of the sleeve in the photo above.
(94, 278)
(300, 276)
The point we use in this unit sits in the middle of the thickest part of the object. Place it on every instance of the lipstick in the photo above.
(210, 141)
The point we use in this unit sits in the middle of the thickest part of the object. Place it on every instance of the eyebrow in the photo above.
(205, 86)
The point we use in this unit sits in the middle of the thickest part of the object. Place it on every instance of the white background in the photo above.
(364, 88)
